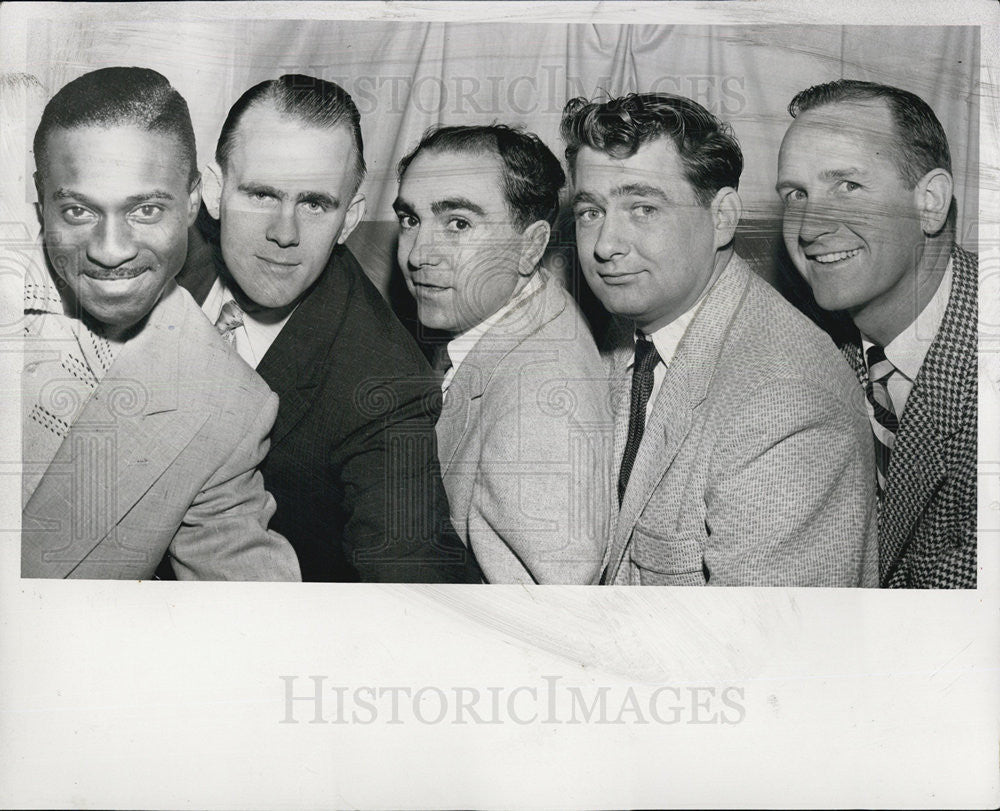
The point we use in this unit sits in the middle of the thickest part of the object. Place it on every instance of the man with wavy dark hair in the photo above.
(741, 447)
(142, 429)
(525, 394)
(864, 173)
(353, 464)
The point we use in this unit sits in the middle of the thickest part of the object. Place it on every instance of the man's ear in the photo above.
(536, 240)
(727, 208)
(932, 196)
(211, 183)
(194, 201)
(355, 214)
(39, 193)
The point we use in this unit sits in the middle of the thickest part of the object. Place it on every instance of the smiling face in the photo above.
(116, 204)
(286, 199)
(646, 245)
(851, 225)
(462, 255)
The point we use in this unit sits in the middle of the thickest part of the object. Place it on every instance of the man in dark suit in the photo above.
(352, 463)
(865, 176)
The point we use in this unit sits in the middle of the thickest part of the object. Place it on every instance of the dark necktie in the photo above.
(646, 359)
(885, 423)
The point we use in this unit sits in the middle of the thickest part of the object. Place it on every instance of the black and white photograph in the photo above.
(335, 332)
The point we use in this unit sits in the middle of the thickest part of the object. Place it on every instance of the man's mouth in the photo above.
(836, 256)
(280, 263)
(618, 276)
(114, 274)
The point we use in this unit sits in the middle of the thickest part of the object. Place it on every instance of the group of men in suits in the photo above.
(718, 439)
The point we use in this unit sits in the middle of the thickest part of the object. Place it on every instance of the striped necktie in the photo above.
(646, 359)
(230, 319)
(884, 421)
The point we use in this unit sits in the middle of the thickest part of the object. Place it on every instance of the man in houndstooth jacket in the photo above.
(865, 176)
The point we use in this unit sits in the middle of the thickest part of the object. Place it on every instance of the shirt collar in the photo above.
(461, 345)
(260, 334)
(906, 352)
(668, 337)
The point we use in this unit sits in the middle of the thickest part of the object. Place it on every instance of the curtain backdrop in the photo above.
(408, 76)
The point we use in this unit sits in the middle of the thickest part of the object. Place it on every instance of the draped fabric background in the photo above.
(408, 76)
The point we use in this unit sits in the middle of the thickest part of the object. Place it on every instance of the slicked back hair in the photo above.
(115, 97)
(919, 138)
(530, 174)
(709, 152)
(311, 101)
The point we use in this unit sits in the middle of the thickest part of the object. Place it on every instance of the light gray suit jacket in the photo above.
(524, 439)
(162, 457)
(755, 465)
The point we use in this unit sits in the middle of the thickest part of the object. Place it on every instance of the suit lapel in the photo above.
(473, 375)
(296, 363)
(684, 388)
(942, 394)
(128, 433)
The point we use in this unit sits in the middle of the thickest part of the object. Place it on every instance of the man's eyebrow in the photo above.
(640, 190)
(840, 174)
(457, 203)
(261, 188)
(63, 193)
(400, 205)
(584, 197)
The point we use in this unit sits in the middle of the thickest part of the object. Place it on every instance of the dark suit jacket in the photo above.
(927, 521)
(353, 460)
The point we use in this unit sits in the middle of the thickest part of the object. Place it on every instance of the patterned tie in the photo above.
(229, 320)
(884, 421)
(646, 359)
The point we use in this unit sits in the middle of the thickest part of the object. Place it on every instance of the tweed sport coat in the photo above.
(525, 439)
(755, 465)
(927, 519)
(162, 461)
(353, 460)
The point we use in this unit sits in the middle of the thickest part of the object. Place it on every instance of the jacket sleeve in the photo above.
(791, 499)
(397, 528)
(538, 503)
(224, 534)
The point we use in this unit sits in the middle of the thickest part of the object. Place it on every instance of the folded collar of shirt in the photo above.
(260, 334)
(668, 337)
(460, 346)
(906, 352)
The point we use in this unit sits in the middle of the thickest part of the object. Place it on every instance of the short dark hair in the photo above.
(920, 142)
(708, 149)
(119, 96)
(531, 176)
(312, 101)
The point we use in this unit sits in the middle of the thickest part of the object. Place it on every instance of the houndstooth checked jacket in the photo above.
(927, 520)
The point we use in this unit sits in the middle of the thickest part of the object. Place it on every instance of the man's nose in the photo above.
(611, 240)
(112, 243)
(425, 250)
(283, 230)
(815, 221)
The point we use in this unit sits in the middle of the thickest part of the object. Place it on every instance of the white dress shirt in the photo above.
(254, 337)
(906, 352)
(461, 345)
(666, 340)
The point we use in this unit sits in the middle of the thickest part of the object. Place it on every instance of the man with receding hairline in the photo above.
(353, 460)
(864, 173)
(142, 429)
